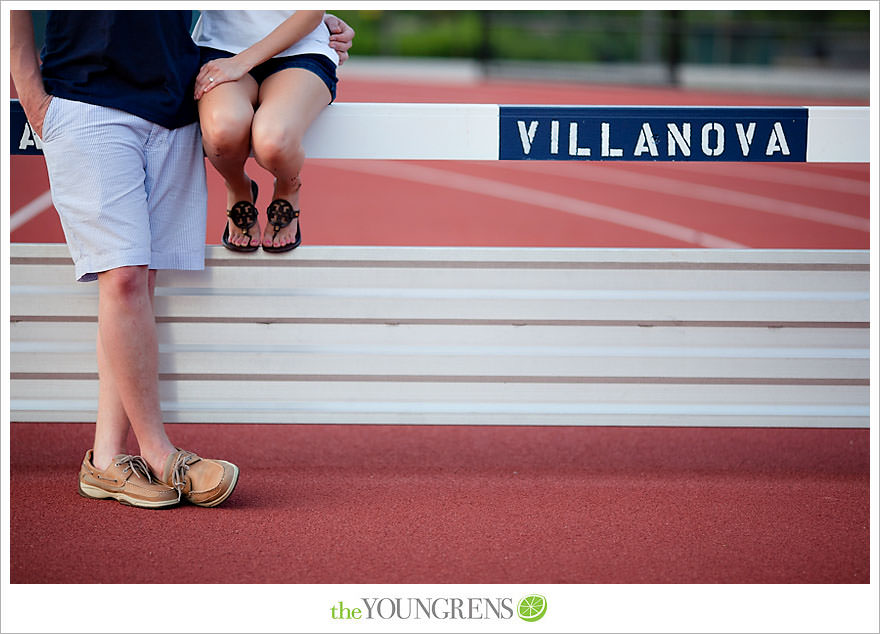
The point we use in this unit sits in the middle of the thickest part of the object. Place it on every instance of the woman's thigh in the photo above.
(228, 110)
(289, 102)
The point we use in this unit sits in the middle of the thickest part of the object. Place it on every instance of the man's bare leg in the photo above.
(112, 425)
(129, 368)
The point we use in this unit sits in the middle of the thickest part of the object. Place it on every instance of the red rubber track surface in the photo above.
(385, 504)
(411, 504)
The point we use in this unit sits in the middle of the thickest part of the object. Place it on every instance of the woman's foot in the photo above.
(282, 219)
(282, 229)
(242, 227)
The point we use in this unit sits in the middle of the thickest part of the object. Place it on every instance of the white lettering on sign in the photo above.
(745, 136)
(527, 136)
(29, 138)
(607, 150)
(777, 142)
(713, 139)
(646, 142)
(678, 138)
(573, 149)
(705, 144)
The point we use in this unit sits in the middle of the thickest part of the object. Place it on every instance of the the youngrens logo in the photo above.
(530, 608)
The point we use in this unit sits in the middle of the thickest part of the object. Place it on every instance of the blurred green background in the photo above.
(827, 38)
(819, 37)
(643, 46)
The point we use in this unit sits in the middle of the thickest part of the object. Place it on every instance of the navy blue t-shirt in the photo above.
(142, 62)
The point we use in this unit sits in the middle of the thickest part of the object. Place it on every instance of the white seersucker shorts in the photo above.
(129, 192)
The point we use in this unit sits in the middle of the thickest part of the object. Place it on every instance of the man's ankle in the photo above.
(156, 458)
(104, 450)
(102, 459)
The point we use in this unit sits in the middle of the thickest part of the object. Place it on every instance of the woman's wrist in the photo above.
(243, 61)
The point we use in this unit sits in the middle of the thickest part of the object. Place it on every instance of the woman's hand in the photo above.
(219, 71)
(341, 36)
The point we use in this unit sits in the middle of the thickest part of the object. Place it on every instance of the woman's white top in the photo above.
(234, 31)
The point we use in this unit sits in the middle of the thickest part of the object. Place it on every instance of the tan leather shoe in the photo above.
(127, 480)
(201, 481)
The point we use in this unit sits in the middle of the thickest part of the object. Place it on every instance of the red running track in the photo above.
(463, 505)
(410, 504)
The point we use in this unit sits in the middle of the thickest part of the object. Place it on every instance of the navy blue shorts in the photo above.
(318, 64)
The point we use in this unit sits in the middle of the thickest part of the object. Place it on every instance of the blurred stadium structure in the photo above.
(803, 51)
(825, 52)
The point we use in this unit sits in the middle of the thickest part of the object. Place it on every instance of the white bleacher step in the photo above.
(409, 335)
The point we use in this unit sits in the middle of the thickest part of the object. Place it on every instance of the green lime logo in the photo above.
(532, 608)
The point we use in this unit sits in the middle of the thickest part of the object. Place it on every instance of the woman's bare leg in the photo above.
(290, 100)
(226, 113)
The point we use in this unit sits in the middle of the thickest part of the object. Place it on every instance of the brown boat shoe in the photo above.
(201, 481)
(127, 480)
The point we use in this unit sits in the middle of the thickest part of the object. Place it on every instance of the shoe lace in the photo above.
(136, 465)
(180, 469)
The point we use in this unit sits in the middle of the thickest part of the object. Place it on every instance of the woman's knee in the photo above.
(275, 147)
(226, 129)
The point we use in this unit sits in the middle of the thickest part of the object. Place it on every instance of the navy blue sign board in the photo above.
(610, 133)
(624, 133)
(22, 139)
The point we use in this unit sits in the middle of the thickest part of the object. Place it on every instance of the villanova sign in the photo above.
(653, 133)
(603, 133)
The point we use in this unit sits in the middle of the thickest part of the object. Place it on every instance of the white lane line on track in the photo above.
(709, 193)
(31, 210)
(519, 194)
(770, 173)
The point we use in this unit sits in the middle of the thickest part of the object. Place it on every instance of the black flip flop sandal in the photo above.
(244, 216)
(280, 214)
